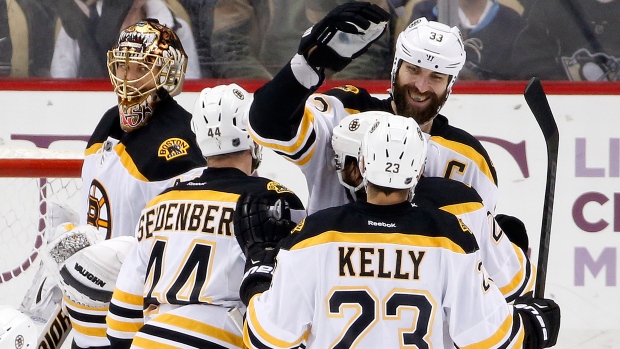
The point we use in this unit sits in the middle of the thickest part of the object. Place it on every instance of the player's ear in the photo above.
(360, 165)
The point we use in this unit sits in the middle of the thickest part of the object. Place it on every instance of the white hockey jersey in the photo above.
(123, 171)
(505, 262)
(301, 133)
(369, 276)
(187, 254)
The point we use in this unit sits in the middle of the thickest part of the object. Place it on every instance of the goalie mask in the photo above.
(219, 122)
(433, 46)
(148, 56)
(346, 141)
(393, 152)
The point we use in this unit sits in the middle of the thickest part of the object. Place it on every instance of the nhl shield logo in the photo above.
(238, 94)
(173, 148)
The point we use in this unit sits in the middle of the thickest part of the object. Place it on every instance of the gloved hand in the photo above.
(259, 226)
(542, 316)
(345, 33)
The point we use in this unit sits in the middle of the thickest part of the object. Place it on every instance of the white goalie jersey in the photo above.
(122, 171)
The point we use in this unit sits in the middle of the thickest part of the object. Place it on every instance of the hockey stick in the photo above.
(537, 101)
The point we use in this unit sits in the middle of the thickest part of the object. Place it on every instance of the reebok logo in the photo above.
(381, 224)
(87, 274)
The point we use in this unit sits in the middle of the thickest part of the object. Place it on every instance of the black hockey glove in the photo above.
(542, 316)
(345, 33)
(259, 226)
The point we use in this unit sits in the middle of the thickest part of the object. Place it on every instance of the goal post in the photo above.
(40, 188)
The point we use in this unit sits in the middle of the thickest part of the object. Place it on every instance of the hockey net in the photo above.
(40, 189)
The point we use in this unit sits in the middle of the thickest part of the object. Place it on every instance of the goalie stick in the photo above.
(537, 101)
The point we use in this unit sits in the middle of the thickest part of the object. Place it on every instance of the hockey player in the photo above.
(186, 269)
(506, 263)
(145, 143)
(297, 124)
(140, 147)
(386, 274)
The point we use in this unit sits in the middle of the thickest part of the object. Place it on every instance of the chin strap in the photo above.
(353, 191)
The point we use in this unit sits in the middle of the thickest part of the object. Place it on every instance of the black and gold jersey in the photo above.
(187, 252)
(505, 262)
(370, 276)
(122, 171)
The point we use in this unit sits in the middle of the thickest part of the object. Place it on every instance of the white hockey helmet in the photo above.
(393, 152)
(431, 45)
(220, 121)
(347, 139)
(17, 330)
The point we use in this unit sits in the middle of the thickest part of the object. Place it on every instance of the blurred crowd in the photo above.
(573, 40)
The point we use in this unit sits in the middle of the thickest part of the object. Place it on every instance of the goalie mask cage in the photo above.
(40, 189)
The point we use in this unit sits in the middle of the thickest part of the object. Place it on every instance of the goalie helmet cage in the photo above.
(40, 189)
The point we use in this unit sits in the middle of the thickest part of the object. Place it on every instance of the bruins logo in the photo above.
(172, 148)
(354, 125)
(278, 188)
(349, 88)
(99, 211)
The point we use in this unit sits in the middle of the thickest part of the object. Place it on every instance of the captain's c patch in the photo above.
(172, 148)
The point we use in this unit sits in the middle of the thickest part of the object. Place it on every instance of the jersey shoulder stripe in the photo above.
(108, 126)
(163, 148)
(464, 143)
(296, 147)
(409, 226)
(450, 195)
(227, 184)
(265, 335)
(358, 99)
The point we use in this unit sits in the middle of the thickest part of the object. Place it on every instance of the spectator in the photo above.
(201, 16)
(569, 40)
(32, 32)
(238, 33)
(489, 30)
(254, 39)
(91, 28)
(6, 49)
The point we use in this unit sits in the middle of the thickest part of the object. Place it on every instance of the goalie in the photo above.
(85, 268)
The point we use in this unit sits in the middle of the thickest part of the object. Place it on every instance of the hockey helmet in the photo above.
(17, 330)
(347, 139)
(393, 152)
(219, 121)
(431, 45)
(156, 54)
